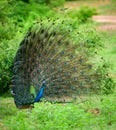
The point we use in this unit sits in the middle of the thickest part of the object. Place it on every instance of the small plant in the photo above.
(83, 14)
(70, 116)
(52, 3)
(107, 84)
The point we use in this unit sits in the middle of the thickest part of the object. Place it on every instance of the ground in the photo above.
(98, 114)
(107, 21)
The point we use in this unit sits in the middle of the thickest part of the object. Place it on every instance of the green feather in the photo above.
(33, 91)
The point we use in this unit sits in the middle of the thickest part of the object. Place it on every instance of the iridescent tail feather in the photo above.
(49, 54)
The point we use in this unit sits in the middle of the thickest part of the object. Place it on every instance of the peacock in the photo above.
(49, 64)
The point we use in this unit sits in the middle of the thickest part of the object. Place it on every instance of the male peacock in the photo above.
(49, 64)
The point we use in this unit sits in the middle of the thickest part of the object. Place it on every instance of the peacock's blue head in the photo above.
(44, 83)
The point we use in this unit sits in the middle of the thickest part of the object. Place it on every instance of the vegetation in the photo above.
(12, 30)
(109, 8)
(83, 15)
(47, 116)
(14, 23)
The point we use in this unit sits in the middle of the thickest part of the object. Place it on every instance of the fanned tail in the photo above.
(48, 53)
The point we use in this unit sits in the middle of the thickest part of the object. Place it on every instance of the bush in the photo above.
(83, 14)
(107, 84)
(16, 23)
(8, 46)
(52, 3)
(55, 3)
(12, 29)
(7, 49)
(31, 11)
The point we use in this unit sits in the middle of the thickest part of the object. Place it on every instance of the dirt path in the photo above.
(107, 19)
(106, 22)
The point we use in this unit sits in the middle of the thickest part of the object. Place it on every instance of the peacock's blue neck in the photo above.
(40, 93)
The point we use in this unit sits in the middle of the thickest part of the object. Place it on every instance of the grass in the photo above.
(109, 52)
(97, 113)
(103, 6)
(109, 8)
(47, 116)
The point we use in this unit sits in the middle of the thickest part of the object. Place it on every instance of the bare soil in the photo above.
(106, 22)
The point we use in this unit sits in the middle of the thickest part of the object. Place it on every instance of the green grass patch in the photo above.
(109, 50)
(97, 113)
(47, 116)
(109, 8)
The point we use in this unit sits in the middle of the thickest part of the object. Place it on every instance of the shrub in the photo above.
(16, 23)
(55, 3)
(83, 14)
(8, 46)
(11, 31)
(52, 3)
(7, 49)
(107, 84)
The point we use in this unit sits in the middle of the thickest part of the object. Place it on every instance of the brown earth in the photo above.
(106, 22)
